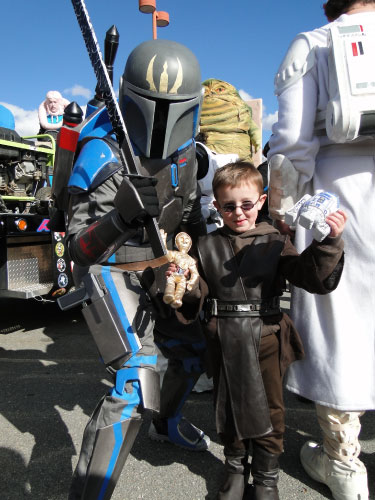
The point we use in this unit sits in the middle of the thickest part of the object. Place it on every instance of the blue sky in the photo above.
(239, 41)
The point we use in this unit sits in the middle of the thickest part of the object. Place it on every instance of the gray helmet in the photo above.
(160, 97)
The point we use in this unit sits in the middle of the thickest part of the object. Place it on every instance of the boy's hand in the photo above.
(172, 269)
(336, 221)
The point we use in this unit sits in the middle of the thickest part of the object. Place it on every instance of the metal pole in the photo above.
(154, 25)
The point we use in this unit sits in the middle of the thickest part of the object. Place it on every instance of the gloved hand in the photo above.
(137, 199)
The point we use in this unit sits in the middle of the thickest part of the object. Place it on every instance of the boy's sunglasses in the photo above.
(246, 206)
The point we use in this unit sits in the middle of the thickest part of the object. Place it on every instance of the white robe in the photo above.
(338, 329)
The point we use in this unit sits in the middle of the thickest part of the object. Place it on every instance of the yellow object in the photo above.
(226, 123)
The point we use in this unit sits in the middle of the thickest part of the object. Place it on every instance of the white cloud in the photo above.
(78, 90)
(245, 96)
(269, 120)
(27, 122)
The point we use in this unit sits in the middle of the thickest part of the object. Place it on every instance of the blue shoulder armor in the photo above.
(96, 122)
(95, 164)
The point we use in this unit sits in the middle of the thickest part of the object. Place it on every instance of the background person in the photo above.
(51, 111)
(338, 330)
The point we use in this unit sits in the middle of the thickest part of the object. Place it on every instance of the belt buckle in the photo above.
(213, 306)
(241, 307)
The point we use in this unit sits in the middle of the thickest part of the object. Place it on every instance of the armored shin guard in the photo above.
(110, 434)
(111, 449)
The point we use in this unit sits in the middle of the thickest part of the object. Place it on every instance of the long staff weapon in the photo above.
(130, 162)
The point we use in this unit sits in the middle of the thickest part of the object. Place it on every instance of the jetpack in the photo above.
(351, 67)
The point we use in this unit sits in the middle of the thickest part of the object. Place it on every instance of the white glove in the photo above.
(283, 184)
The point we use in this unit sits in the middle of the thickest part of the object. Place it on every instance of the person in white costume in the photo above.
(207, 167)
(338, 329)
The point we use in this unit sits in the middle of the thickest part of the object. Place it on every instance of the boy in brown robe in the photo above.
(243, 268)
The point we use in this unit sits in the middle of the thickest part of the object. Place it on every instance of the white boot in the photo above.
(346, 480)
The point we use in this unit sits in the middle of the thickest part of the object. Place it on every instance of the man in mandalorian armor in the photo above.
(160, 98)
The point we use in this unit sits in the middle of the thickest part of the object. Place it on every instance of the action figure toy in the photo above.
(311, 211)
(177, 283)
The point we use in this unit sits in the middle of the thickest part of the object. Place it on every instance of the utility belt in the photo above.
(225, 309)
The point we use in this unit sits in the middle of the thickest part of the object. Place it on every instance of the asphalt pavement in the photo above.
(51, 382)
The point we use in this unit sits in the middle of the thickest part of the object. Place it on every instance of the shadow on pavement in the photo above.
(39, 378)
(52, 380)
(199, 410)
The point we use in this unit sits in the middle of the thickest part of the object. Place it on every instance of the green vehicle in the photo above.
(33, 259)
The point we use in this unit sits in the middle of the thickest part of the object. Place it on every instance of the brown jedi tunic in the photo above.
(254, 265)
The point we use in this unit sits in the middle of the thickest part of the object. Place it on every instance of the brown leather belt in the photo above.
(142, 264)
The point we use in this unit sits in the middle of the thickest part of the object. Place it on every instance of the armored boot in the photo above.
(179, 431)
(237, 476)
(265, 472)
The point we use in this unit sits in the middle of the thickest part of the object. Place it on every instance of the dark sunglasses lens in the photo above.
(248, 205)
(229, 208)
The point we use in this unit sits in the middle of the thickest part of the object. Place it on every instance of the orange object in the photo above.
(162, 19)
(147, 6)
(21, 224)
